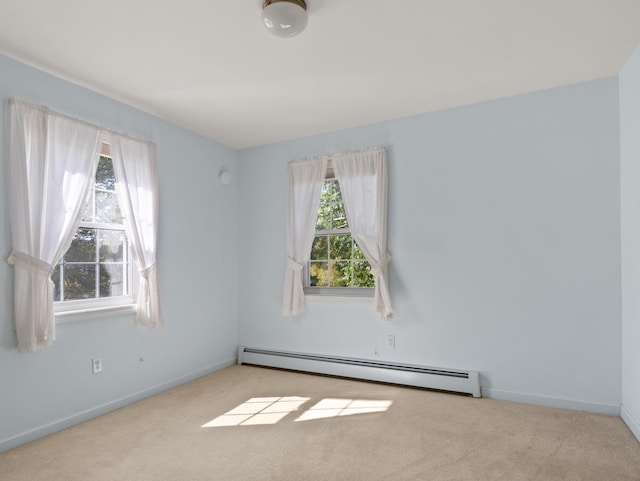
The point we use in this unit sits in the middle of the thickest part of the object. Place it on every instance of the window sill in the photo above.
(76, 315)
(339, 295)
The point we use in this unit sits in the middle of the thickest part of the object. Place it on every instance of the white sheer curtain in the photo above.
(305, 184)
(363, 183)
(52, 162)
(134, 163)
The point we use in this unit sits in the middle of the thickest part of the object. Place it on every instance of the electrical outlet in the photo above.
(391, 341)
(96, 364)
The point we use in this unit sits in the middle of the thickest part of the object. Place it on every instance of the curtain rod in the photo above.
(49, 110)
(330, 157)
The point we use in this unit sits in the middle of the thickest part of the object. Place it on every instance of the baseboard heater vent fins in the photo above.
(454, 380)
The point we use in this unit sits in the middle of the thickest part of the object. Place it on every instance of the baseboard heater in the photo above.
(453, 380)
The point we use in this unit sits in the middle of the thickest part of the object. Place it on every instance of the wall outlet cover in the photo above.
(96, 365)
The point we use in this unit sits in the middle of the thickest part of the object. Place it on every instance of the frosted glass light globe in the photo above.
(284, 18)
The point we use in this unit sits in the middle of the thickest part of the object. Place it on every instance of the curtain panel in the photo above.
(304, 185)
(363, 183)
(137, 183)
(52, 162)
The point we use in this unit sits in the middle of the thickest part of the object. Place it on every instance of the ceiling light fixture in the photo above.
(285, 18)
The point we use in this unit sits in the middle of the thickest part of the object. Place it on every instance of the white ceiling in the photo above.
(209, 65)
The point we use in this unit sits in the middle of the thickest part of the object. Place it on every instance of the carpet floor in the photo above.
(249, 423)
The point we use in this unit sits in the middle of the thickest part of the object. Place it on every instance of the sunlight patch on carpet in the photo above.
(264, 410)
(330, 408)
(271, 410)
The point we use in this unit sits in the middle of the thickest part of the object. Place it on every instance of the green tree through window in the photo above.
(336, 260)
(96, 265)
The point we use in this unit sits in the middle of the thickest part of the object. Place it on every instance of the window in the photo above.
(322, 257)
(337, 265)
(96, 269)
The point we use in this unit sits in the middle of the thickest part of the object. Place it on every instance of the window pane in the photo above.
(340, 274)
(320, 248)
(338, 217)
(346, 266)
(340, 247)
(107, 208)
(331, 191)
(79, 281)
(319, 274)
(105, 176)
(87, 211)
(112, 244)
(95, 265)
(55, 277)
(83, 246)
(325, 193)
(362, 276)
(111, 280)
(324, 217)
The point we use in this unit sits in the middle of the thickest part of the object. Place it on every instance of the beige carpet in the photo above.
(330, 429)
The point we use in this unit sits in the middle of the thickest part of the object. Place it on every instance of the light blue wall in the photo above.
(630, 213)
(197, 259)
(504, 233)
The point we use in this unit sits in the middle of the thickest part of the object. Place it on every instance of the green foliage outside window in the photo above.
(336, 260)
(96, 263)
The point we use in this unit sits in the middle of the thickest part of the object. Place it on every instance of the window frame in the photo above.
(336, 292)
(81, 309)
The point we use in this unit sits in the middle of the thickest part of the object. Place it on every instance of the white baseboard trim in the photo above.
(552, 402)
(629, 421)
(55, 426)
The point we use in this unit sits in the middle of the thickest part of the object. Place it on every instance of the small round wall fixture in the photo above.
(224, 177)
(285, 18)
